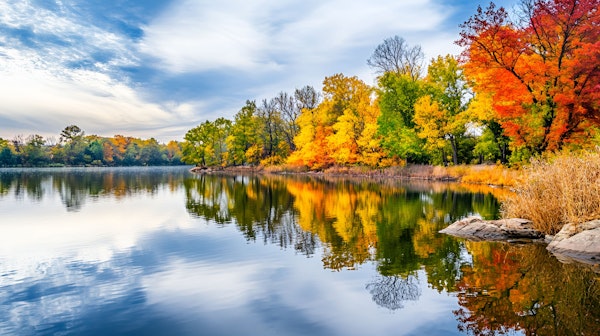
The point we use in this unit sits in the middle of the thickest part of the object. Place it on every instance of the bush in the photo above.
(563, 189)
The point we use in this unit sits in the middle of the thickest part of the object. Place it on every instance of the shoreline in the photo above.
(575, 243)
(489, 175)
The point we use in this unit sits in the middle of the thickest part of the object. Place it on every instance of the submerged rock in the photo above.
(578, 243)
(475, 228)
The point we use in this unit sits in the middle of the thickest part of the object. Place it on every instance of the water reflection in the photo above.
(392, 291)
(522, 287)
(162, 251)
(389, 223)
(75, 186)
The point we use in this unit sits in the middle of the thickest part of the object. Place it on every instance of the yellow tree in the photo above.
(310, 142)
(432, 123)
(342, 129)
(354, 139)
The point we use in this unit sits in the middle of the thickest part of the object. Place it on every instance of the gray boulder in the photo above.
(578, 243)
(477, 229)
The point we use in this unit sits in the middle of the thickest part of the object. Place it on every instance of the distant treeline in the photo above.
(74, 148)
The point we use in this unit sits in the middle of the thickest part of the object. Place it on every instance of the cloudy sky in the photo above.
(156, 68)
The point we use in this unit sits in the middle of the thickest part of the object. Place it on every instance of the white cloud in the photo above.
(249, 49)
(44, 90)
(37, 94)
(65, 29)
(201, 35)
(263, 36)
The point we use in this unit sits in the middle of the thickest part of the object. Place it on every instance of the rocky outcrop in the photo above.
(578, 243)
(475, 228)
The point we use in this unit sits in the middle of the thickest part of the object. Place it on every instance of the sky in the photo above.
(157, 68)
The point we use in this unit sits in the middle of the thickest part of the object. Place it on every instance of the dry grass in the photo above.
(495, 175)
(563, 189)
(284, 168)
(491, 174)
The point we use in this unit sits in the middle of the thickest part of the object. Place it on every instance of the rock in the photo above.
(475, 228)
(578, 243)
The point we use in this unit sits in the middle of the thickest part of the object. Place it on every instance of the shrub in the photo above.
(562, 189)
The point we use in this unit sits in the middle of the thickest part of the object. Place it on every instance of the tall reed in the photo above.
(562, 189)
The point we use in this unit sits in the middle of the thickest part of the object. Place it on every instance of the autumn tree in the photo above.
(310, 141)
(448, 87)
(341, 129)
(433, 125)
(541, 69)
(354, 138)
(173, 152)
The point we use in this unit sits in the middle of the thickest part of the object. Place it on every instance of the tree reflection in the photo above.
(77, 185)
(522, 287)
(261, 208)
(393, 224)
(392, 291)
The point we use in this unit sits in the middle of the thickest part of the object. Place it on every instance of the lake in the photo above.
(161, 251)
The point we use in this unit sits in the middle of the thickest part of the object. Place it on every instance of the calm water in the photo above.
(159, 251)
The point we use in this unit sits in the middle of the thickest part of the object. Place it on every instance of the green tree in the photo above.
(74, 145)
(35, 152)
(243, 140)
(205, 145)
(150, 153)
(492, 145)
(95, 150)
(397, 96)
(132, 154)
(7, 155)
(440, 117)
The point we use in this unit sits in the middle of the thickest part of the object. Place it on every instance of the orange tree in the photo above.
(542, 70)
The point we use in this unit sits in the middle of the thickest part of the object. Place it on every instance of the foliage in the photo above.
(523, 87)
(541, 71)
(77, 149)
(205, 144)
(341, 129)
(440, 116)
(395, 125)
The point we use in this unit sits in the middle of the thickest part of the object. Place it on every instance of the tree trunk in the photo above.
(454, 150)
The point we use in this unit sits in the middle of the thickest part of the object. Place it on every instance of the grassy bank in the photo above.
(562, 189)
(474, 174)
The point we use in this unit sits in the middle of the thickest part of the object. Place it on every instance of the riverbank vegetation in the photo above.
(562, 189)
(515, 93)
(74, 148)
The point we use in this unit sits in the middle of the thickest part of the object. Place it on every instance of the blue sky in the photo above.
(151, 68)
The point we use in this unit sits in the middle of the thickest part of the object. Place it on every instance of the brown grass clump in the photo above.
(563, 189)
